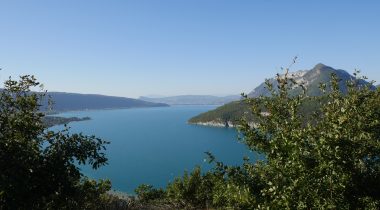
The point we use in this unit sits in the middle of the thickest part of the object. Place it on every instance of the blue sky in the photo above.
(173, 47)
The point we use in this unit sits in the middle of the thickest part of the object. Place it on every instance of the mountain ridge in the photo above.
(64, 101)
(320, 73)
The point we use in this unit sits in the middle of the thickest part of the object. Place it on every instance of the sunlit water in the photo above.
(155, 145)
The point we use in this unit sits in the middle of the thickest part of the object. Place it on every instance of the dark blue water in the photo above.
(155, 145)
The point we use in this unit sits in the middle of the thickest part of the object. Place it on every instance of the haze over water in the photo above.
(155, 145)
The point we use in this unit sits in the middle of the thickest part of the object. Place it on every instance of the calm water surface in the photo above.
(155, 145)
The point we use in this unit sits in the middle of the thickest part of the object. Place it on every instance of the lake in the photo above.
(155, 145)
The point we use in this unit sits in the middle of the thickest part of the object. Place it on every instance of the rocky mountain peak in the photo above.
(311, 79)
(320, 67)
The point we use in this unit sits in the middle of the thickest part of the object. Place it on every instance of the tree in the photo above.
(328, 158)
(39, 168)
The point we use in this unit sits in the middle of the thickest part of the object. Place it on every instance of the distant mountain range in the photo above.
(192, 99)
(75, 101)
(228, 114)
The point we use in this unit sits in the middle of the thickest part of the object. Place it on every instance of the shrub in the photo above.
(39, 168)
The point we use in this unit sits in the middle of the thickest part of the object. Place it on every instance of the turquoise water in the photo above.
(155, 145)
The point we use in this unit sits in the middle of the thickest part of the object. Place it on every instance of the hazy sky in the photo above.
(172, 47)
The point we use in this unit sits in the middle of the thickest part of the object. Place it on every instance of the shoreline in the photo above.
(216, 124)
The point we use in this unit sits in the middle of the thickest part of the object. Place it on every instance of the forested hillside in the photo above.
(309, 79)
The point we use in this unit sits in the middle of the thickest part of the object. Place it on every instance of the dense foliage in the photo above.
(328, 159)
(39, 168)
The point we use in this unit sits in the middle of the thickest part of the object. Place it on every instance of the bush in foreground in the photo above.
(328, 159)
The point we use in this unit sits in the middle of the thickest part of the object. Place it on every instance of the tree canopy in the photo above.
(39, 167)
